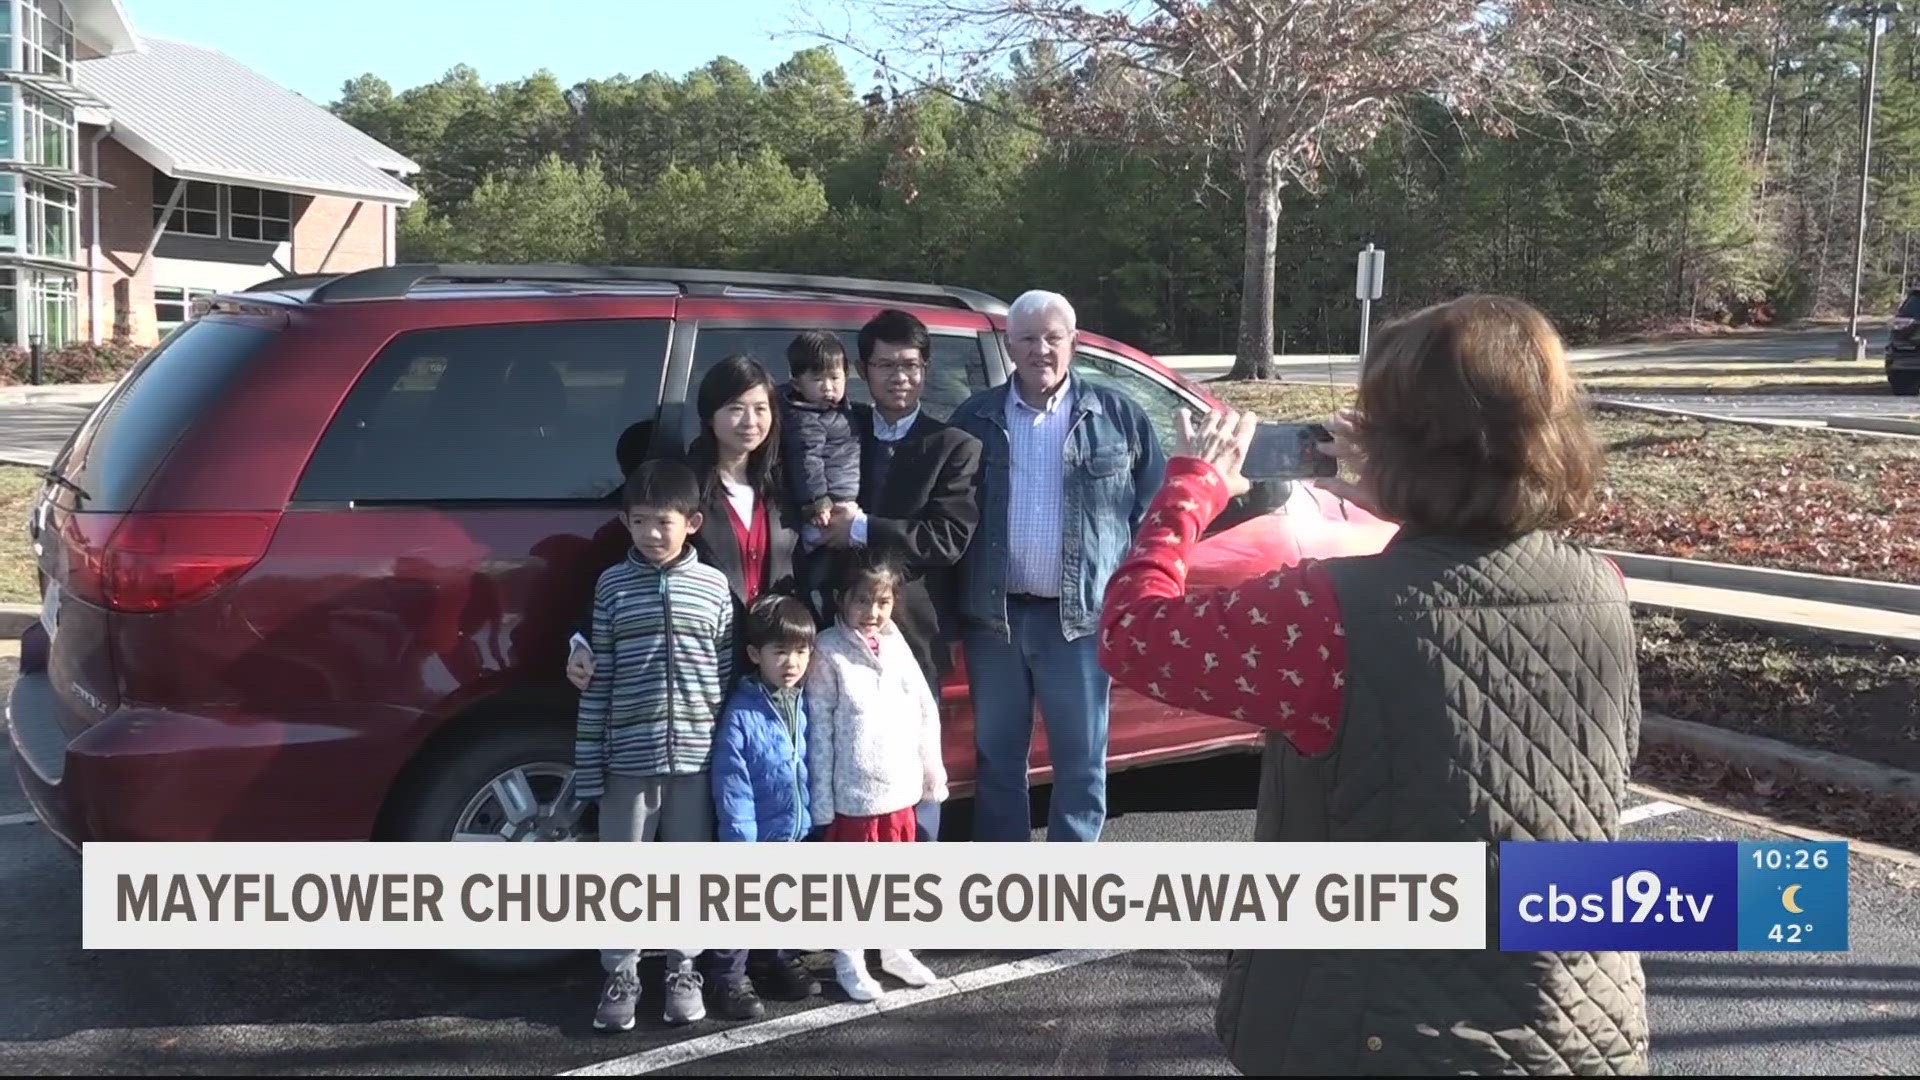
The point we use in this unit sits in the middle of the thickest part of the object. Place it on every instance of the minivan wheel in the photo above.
(505, 785)
(1904, 383)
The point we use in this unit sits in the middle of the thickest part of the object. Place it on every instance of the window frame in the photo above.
(34, 208)
(685, 421)
(36, 289)
(658, 312)
(188, 294)
(163, 192)
(31, 33)
(261, 220)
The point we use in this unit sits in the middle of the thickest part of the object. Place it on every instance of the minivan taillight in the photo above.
(151, 562)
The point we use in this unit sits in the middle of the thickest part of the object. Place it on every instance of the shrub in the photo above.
(80, 362)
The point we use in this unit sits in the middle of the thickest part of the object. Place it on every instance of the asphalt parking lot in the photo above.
(67, 1010)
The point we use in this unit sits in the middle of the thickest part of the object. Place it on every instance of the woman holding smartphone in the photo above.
(1473, 681)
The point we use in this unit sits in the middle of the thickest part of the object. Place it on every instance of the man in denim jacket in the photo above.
(1067, 469)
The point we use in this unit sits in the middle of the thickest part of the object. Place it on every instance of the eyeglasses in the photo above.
(889, 368)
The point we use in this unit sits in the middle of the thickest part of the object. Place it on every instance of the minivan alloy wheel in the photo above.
(530, 803)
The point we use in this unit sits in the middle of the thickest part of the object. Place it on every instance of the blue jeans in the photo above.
(1004, 678)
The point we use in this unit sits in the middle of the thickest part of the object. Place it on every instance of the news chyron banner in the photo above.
(783, 896)
(1634, 895)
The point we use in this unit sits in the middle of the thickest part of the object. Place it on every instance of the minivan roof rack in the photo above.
(396, 282)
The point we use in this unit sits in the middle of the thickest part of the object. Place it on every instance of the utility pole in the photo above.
(1855, 347)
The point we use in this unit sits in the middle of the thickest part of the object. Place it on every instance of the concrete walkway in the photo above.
(1834, 622)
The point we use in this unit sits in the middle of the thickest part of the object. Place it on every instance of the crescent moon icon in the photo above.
(1787, 901)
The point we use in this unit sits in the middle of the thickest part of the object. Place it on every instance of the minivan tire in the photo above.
(1904, 383)
(447, 777)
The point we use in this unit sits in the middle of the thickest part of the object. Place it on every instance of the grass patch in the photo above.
(18, 584)
(1812, 500)
(1858, 700)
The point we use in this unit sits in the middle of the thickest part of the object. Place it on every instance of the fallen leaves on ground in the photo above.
(1811, 500)
(1788, 796)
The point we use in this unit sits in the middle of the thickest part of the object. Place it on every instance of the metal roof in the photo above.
(198, 114)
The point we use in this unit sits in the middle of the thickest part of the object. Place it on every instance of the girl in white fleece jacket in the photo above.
(873, 750)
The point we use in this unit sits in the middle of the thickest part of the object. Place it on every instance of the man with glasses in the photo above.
(916, 490)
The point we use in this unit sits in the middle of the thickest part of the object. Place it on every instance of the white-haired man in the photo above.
(1067, 468)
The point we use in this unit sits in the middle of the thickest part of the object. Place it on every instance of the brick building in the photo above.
(138, 173)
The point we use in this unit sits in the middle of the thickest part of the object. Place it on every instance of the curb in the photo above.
(1851, 592)
(1764, 390)
(1739, 748)
(15, 618)
(1840, 423)
(1888, 425)
(1691, 414)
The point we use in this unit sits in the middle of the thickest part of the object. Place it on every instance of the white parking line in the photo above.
(1657, 808)
(17, 819)
(786, 1027)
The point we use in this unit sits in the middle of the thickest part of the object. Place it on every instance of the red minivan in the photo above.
(309, 570)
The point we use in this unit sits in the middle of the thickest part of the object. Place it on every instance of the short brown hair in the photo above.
(1471, 421)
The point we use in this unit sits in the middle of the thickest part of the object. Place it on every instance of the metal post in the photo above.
(1855, 348)
(1366, 321)
(33, 351)
(1366, 289)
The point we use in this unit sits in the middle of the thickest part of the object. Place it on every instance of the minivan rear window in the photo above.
(1910, 308)
(123, 442)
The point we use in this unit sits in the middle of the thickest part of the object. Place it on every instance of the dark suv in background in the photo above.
(1903, 348)
(310, 568)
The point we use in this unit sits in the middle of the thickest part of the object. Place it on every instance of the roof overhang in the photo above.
(160, 158)
(103, 25)
(59, 90)
(52, 175)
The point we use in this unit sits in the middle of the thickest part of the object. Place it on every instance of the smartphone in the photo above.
(1288, 452)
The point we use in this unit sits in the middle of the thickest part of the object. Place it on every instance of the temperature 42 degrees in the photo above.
(1793, 897)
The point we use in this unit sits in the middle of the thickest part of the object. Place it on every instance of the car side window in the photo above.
(1161, 403)
(520, 412)
(959, 367)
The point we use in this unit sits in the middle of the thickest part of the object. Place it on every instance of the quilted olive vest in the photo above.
(1492, 695)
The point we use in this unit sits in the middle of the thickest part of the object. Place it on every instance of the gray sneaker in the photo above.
(622, 993)
(686, 999)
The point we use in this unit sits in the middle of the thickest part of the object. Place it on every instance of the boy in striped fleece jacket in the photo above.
(643, 744)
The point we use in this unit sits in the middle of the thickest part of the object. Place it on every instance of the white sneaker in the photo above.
(850, 970)
(902, 965)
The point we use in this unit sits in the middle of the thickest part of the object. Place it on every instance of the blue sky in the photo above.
(314, 47)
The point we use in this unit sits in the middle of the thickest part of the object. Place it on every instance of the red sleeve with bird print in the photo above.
(1270, 651)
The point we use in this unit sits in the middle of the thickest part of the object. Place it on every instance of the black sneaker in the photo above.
(737, 1000)
(617, 1002)
(789, 979)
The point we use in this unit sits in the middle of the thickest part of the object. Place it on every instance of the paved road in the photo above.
(68, 1011)
(1782, 406)
(32, 434)
(1775, 346)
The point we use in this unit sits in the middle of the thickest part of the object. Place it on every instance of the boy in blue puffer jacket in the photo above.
(760, 784)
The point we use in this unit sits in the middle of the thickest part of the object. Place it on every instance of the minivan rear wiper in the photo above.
(60, 478)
